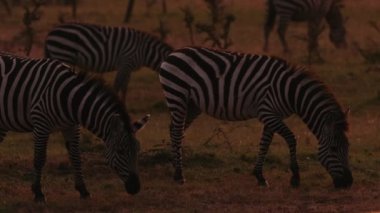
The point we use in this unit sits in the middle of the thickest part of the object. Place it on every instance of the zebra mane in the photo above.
(151, 36)
(328, 94)
(144, 33)
(98, 82)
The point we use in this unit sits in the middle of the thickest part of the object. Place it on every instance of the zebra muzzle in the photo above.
(132, 185)
(344, 181)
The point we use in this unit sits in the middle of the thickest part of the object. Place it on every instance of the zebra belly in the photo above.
(15, 115)
(230, 118)
(231, 112)
(17, 123)
(237, 107)
(15, 108)
(91, 65)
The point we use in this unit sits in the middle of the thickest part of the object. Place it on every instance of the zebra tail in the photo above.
(46, 52)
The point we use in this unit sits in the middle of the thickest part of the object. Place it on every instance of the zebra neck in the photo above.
(153, 51)
(312, 101)
(94, 109)
(317, 119)
(97, 122)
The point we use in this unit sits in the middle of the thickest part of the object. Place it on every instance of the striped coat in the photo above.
(236, 86)
(41, 95)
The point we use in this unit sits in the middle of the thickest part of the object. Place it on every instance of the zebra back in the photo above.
(104, 48)
(47, 85)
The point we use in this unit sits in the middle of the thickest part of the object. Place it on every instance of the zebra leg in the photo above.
(314, 30)
(278, 126)
(266, 139)
(121, 83)
(281, 30)
(269, 23)
(177, 128)
(285, 132)
(179, 123)
(192, 113)
(40, 145)
(2, 135)
(177, 134)
(72, 136)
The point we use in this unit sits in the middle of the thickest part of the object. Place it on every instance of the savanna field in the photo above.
(218, 155)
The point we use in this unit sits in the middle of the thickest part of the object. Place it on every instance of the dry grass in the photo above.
(218, 178)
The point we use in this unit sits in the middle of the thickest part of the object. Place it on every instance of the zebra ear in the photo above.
(137, 125)
(347, 112)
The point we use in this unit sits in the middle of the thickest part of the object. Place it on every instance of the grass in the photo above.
(217, 168)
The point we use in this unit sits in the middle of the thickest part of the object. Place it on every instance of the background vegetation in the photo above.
(219, 155)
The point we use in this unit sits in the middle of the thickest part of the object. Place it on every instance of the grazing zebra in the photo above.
(313, 11)
(105, 48)
(41, 95)
(235, 86)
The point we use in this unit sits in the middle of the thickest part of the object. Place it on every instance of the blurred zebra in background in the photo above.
(104, 48)
(312, 11)
(41, 95)
(235, 86)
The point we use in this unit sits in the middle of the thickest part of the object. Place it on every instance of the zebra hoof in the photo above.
(295, 182)
(260, 178)
(40, 199)
(263, 183)
(85, 196)
(179, 179)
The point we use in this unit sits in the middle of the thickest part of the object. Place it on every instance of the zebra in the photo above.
(106, 48)
(43, 95)
(312, 11)
(236, 86)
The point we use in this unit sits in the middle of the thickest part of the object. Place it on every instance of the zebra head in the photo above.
(333, 152)
(122, 151)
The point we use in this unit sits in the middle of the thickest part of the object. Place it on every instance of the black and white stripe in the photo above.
(40, 95)
(105, 48)
(234, 86)
(312, 11)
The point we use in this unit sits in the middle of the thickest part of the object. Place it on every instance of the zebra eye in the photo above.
(121, 151)
(333, 149)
